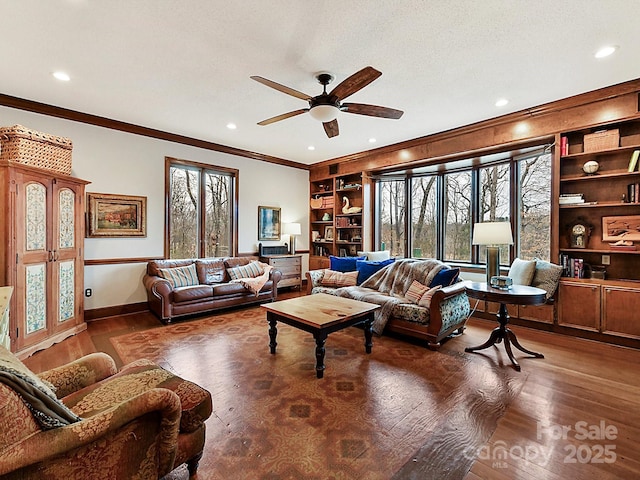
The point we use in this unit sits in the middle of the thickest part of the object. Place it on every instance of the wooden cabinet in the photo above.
(290, 266)
(43, 223)
(336, 219)
(579, 305)
(620, 307)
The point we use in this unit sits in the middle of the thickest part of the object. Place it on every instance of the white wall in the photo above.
(123, 163)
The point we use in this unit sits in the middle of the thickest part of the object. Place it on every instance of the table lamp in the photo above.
(492, 234)
(292, 229)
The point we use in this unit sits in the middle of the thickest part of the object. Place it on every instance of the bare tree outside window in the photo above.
(192, 232)
(535, 207)
(392, 216)
(424, 217)
(457, 205)
(495, 202)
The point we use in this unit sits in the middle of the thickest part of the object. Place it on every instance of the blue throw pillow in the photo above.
(367, 268)
(343, 264)
(445, 277)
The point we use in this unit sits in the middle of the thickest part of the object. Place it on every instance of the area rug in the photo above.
(401, 412)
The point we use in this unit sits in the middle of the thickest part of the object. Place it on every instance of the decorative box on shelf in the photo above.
(602, 140)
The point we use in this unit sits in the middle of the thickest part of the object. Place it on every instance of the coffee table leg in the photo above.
(368, 334)
(320, 339)
(273, 331)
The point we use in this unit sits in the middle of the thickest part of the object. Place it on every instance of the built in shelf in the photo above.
(599, 176)
(599, 205)
(584, 155)
(599, 250)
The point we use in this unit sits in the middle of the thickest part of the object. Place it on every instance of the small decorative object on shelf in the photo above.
(602, 140)
(579, 232)
(501, 281)
(326, 217)
(590, 167)
(346, 208)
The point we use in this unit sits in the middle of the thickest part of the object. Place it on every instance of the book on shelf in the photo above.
(564, 146)
(623, 248)
(633, 193)
(633, 161)
(571, 267)
(570, 198)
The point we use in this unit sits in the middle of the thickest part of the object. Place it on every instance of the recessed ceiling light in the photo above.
(606, 51)
(501, 102)
(311, 147)
(62, 76)
(231, 126)
(372, 140)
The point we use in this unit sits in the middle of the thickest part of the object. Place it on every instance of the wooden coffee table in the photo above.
(320, 314)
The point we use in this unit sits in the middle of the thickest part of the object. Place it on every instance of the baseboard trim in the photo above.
(104, 312)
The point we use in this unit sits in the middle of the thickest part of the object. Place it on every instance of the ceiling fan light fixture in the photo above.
(324, 113)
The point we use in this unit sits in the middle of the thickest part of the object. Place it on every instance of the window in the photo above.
(392, 218)
(201, 210)
(435, 219)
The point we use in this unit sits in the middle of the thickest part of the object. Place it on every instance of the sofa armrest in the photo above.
(154, 412)
(159, 291)
(275, 276)
(80, 373)
(314, 277)
(449, 310)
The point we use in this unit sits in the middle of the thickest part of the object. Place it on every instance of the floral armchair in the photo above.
(138, 423)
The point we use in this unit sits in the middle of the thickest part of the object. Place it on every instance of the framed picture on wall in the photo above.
(116, 215)
(269, 225)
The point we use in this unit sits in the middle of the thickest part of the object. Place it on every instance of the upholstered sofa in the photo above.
(436, 312)
(176, 288)
(87, 420)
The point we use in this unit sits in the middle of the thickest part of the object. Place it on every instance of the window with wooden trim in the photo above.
(201, 210)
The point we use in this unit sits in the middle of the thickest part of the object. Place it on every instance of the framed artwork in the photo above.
(269, 225)
(623, 227)
(116, 215)
(328, 233)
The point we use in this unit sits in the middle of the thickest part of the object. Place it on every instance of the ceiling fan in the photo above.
(326, 106)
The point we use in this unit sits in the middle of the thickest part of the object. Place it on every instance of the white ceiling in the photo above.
(183, 66)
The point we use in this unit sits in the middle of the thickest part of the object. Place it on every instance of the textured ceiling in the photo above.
(184, 66)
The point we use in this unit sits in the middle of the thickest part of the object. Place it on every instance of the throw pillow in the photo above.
(521, 271)
(425, 300)
(445, 277)
(331, 278)
(181, 276)
(367, 268)
(250, 270)
(415, 292)
(343, 264)
(376, 256)
(546, 276)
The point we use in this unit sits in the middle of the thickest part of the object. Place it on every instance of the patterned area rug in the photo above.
(401, 412)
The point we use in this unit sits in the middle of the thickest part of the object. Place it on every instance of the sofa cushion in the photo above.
(522, 271)
(154, 266)
(425, 299)
(546, 276)
(180, 276)
(366, 268)
(194, 292)
(136, 378)
(343, 264)
(415, 291)
(332, 278)
(210, 270)
(233, 289)
(376, 256)
(250, 270)
(411, 313)
(445, 277)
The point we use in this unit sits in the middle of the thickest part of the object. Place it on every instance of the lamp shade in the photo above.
(324, 113)
(492, 233)
(292, 229)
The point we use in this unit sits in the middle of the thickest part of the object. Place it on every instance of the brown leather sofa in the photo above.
(214, 290)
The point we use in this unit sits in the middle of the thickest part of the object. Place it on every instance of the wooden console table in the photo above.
(515, 295)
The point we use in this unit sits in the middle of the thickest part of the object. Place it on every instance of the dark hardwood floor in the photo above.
(409, 413)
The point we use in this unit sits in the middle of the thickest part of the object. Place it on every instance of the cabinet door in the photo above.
(579, 305)
(67, 240)
(33, 275)
(620, 307)
(537, 313)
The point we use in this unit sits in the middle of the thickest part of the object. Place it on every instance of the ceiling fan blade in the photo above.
(281, 88)
(355, 82)
(371, 110)
(277, 118)
(331, 128)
